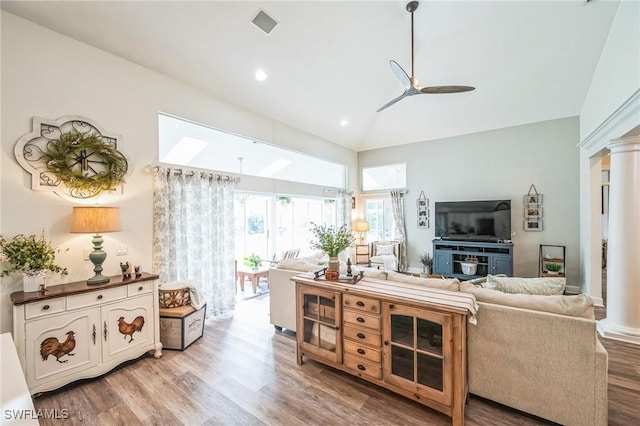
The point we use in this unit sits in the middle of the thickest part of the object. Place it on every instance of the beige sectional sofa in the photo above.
(536, 353)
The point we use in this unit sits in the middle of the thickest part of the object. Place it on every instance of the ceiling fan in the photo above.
(411, 86)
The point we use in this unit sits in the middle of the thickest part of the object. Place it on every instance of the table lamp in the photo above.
(96, 220)
(362, 227)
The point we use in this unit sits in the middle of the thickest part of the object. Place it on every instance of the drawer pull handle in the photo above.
(361, 367)
(359, 303)
(361, 351)
(140, 288)
(99, 297)
(360, 335)
(360, 319)
(45, 307)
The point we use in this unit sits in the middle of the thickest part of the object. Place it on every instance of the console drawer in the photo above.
(363, 335)
(361, 303)
(361, 319)
(44, 307)
(362, 351)
(96, 297)
(363, 367)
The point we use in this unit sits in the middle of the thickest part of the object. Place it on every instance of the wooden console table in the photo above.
(406, 338)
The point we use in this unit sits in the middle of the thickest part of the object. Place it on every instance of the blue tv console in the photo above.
(493, 258)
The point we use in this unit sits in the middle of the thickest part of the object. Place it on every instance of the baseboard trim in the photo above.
(618, 332)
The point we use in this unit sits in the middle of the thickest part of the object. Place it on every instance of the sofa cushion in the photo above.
(580, 305)
(301, 264)
(384, 249)
(451, 284)
(517, 285)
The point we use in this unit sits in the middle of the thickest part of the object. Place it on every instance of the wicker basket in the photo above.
(173, 298)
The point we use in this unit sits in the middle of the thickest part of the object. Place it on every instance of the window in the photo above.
(268, 225)
(186, 143)
(378, 178)
(380, 217)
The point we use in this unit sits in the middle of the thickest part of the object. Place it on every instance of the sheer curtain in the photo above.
(193, 233)
(397, 207)
(343, 217)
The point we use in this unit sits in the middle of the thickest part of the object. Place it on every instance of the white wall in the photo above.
(611, 108)
(498, 164)
(617, 76)
(49, 75)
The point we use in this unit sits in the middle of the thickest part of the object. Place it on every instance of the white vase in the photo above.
(33, 281)
(334, 264)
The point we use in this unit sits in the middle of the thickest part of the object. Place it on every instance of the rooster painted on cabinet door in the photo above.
(127, 329)
(52, 346)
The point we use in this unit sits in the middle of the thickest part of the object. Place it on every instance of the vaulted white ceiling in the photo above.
(329, 60)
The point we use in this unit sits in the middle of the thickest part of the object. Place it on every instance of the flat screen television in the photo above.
(488, 221)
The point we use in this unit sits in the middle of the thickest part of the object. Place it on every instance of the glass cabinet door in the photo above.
(319, 319)
(417, 343)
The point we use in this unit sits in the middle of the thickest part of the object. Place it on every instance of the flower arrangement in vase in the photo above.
(332, 241)
(30, 255)
(252, 261)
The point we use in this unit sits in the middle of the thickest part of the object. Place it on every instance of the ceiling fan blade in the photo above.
(391, 102)
(400, 74)
(447, 89)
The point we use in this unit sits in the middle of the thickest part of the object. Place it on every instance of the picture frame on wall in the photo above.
(423, 222)
(422, 205)
(532, 212)
(533, 200)
(533, 224)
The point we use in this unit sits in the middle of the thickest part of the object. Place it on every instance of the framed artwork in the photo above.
(533, 200)
(532, 212)
(533, 225)
(422, 204)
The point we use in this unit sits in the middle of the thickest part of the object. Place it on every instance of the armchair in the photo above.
(385, 255)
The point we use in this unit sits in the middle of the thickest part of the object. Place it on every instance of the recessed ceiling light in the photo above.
(344, 122)
(261, 75)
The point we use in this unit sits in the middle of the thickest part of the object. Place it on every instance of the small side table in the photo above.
(362, 254)
(253, 274)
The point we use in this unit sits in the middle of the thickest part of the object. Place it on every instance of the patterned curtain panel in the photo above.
(193, 233)
(343, 217)
(397, 206)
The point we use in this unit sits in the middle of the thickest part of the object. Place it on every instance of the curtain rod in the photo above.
(191, 172)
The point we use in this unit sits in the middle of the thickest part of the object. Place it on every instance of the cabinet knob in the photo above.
(360, 303)
(386, 343)
(99, 297)
(361, 351)
(45, 307)
(140, 288)
(361, 336)
(360, 319)
(361, 367)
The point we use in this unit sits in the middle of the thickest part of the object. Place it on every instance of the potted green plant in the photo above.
(332, 241)
(253, 261)
(427, 263)
(32, 256)
(553, 268)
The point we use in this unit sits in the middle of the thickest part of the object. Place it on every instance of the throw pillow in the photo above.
(580, 305)
(382, 249)
(516, 285)
(450, 284)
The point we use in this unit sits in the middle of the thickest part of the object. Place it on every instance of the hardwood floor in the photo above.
(243, 372)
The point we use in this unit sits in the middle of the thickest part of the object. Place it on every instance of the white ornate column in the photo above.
(623, 253)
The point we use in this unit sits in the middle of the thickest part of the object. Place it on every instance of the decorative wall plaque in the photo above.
(71, 156)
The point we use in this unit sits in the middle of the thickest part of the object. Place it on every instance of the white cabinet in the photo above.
(76, 331)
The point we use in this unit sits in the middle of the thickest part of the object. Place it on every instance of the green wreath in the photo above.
(72, 157)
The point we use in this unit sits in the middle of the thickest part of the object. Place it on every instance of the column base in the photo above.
(618, 332)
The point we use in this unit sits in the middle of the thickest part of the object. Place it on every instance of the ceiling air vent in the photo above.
(265, 22)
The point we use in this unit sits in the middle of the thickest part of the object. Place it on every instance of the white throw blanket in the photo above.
(194, 294)
(390, 262)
